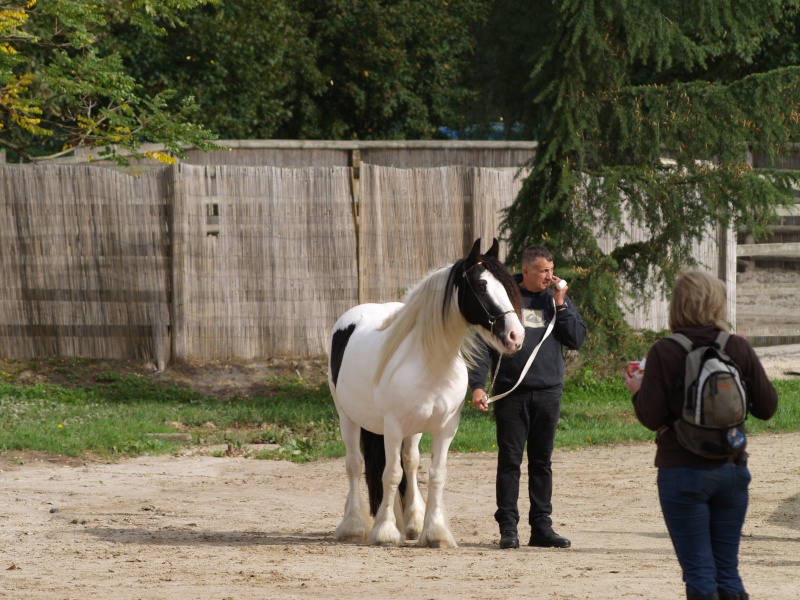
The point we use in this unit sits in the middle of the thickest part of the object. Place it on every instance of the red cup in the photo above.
(635, 370)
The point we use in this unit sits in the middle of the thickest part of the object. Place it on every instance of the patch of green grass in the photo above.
(787, 417)
(597, 413)
(115, 416)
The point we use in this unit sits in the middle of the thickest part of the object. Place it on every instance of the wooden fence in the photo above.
(221, 262)
(84, 265)
(216, 262)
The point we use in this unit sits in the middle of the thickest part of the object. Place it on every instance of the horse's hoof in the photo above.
(351, 539)
(412, 536)
(437, 543)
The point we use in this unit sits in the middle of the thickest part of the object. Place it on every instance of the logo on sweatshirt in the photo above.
(533, 318)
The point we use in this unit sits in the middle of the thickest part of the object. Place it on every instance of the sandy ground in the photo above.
(197, 527)
(200, 527)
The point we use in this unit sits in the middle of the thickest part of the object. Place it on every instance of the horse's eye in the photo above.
(481, 286)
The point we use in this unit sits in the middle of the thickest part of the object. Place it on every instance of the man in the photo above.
(530, 412)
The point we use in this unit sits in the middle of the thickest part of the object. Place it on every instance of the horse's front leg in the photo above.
(436, 529)
(414, 512)
(356, 521)
(384, 531)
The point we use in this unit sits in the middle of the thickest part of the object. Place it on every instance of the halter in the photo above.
(492, 318)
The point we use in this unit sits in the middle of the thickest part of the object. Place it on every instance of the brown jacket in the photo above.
(659, 400)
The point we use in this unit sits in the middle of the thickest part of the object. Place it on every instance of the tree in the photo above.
(391, 70)
(508, 46)
(59, 93)
(241, 60)
(315, 69)
(621, 85)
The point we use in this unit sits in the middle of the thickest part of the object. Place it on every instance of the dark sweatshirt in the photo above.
(660, 399)
(547, 370)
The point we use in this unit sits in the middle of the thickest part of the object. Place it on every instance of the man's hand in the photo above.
(480, 400)
(559, 295)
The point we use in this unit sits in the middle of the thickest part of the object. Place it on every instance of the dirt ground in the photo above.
(200, 527)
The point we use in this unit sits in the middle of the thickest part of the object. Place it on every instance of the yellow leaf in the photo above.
(161, 157)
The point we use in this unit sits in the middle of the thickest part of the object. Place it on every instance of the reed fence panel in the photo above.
(416, 220)
(84, 263)
(495, 190)
(264, 261)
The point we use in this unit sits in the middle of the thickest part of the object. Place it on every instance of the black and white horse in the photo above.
(398, 370)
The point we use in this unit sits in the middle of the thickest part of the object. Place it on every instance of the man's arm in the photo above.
(478, 373)
(570, 328)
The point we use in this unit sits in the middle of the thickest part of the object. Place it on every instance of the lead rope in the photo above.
(494, 378)
(527, 365)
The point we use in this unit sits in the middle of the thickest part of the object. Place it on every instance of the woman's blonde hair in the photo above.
(698, 299)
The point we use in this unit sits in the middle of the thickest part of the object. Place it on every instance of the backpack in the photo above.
(711, 423)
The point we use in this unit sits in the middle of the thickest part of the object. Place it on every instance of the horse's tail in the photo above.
(374, 465)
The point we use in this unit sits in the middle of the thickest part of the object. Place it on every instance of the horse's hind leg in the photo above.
(355, 524)
(414, 505)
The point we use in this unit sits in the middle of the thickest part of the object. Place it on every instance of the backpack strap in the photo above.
(680, 383)
(688, 345)
(722, 339)
(683, 341)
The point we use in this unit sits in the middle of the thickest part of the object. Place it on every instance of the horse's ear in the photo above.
(475, 253)
(494, 251)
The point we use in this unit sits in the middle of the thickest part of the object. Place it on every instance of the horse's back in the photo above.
(358, 326)
(421, 398)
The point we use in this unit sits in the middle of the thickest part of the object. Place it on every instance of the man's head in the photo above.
(537, 269)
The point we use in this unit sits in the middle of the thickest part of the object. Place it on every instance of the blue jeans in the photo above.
(704, 509)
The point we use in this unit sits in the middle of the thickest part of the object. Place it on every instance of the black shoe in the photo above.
(739, 596)
(693, 596)
(549, 539)
(509, 539)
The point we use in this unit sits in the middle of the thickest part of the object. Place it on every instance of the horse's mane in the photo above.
(438, 329)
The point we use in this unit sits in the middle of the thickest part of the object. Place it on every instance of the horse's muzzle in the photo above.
(514, 336)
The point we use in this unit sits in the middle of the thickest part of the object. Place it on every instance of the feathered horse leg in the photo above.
(436, 529)
(356, 522)
(413, 502)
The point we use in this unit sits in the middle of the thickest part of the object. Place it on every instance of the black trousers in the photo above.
(526, 417)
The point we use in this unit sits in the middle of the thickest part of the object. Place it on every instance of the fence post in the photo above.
(355, 173)
(175, 211)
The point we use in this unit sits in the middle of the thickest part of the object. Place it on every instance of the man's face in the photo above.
(537, 276)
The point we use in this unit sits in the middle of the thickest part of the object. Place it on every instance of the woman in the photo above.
(703, 500)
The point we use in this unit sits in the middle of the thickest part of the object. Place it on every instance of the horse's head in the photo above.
(489, 299)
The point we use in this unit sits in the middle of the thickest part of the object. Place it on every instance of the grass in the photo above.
(597, 413)
(116, 416)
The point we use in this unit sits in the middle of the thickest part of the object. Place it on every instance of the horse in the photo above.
(399, 370)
